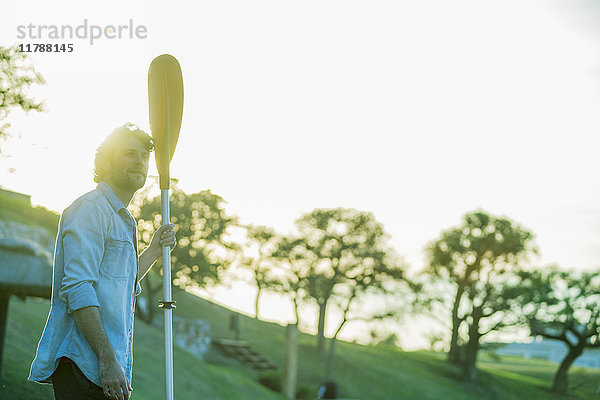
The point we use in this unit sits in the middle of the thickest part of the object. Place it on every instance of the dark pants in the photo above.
(71, 384)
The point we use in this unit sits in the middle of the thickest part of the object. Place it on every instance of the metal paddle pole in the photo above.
(165, 94)
(167, 304)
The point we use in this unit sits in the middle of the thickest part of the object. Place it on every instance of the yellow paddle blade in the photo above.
(165, 97)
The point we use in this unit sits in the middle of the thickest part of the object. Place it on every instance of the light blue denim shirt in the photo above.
(95, 264)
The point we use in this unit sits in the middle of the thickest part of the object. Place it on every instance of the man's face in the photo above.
(129, 165)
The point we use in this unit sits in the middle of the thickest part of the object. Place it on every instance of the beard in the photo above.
(130, 180)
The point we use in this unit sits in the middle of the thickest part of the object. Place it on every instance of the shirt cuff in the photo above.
(81, 296)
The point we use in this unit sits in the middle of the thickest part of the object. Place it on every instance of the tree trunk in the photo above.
(150, 300)
(256, 302)
(470, 362)
(454, 352)
(149, 293)
(329, 366)
(472, 348)
(290, 362)
(4, 301)
(321, 328)
(296, 314)
(144, 312)
(561, 382)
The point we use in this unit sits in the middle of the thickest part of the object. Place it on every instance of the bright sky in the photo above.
(415, 111)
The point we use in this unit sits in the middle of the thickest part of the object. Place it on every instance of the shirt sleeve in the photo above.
(138, 288)
(83, 234)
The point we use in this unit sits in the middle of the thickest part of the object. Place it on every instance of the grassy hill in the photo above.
(362, 372)
(193, 379)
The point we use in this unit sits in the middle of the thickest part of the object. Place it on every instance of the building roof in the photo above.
(25, 268)
(16, 195)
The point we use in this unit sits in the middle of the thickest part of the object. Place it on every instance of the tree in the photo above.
(293, 268)
(203, 251)
(262, 241)
(345, 255)
(478, 259)
(16, 76)
(563, 306)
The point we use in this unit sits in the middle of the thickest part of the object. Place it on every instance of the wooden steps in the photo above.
(244, 353)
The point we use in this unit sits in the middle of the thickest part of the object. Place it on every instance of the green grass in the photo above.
(362, 372)
(387, 373)
(194, 379)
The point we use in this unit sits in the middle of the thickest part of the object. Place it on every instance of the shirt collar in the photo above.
(116, 204)
(114, 201)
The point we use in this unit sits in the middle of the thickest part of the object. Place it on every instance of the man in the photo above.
(86, 347)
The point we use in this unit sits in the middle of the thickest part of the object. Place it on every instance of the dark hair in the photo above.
(112, 143)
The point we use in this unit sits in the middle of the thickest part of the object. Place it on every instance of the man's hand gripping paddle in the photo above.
(165, 95)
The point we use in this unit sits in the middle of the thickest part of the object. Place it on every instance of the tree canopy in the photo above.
(564, 306)
(204, 251)
(262, 241)
(17, 75)
(340, 254)
(478, 258)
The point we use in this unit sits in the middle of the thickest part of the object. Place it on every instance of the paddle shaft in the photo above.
(166, 256)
